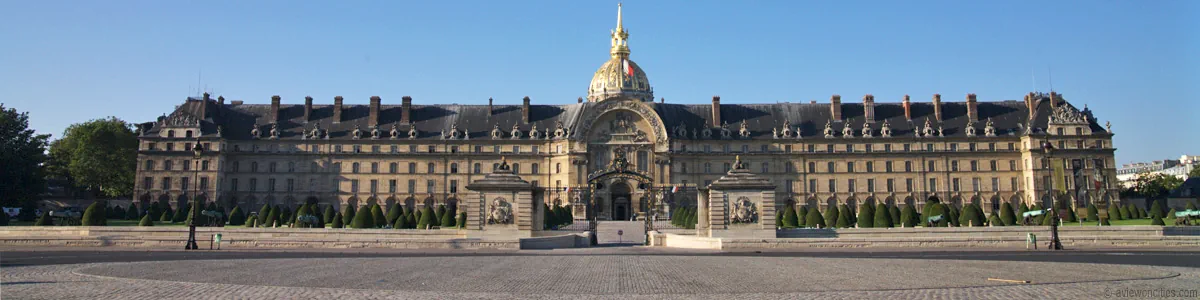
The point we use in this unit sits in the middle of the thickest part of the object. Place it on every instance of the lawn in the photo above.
(1119, 222)
(111, 222)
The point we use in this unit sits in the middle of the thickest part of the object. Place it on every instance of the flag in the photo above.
(1058, 175)
(628, 67)
(674, 189)
(568, 189)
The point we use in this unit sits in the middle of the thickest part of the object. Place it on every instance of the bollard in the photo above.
(1030, 241)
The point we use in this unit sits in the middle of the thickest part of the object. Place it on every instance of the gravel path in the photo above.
(525, 277)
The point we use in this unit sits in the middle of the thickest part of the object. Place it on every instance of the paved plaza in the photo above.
(609, 274)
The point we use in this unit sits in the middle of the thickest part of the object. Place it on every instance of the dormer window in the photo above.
(187, 134)
(170, 133)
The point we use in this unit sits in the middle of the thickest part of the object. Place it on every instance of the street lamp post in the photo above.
(191, 242)
(1055, 244)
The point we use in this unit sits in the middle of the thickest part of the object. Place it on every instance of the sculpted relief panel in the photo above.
(623, 122)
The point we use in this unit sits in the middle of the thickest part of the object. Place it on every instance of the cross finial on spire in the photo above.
(619, 15)
(620, 37)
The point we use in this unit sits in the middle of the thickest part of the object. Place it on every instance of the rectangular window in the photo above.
(868, 147)
(870, 167)
(851, 188)
(995, 184)
(908, 166)
(253, 184)
(870, 185)
(271, 184)
(453, 149)
(908, 185)
(429, 186)
(764, 149)
(850, 167)
(975, 185)
(954, 166)
(829, 148)
(1012, 184)
(233, 184)
(933, 185)
(291, 184)
(337, 185)
(453, 186)
(832, 186)
(375, 149)
(354, 185)
(394, 149)
(887, 166)
(891, 185)
(391, 186)
(907, 147)
(974, 166)
(931, 167)
(147, 183)
(745, 148)
(1012, 165)
(357, 148)
(812, 148)
(954, 185)
(953, 146)
(412, 148)
(183, 183)
(849, 147)
(812, 186)
(478, 149)
(374, 168)
(971, 146)
(186, 165)
(374, 186)
(887, 147)
(204, 183)
(929, 147)
(412, 168)
(516, 149)
(412, 186)
(683, 167)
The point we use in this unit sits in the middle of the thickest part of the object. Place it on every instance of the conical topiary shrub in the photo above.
(146, 221)
(866, 216)
(994, 220)
(1007, 217)
(392, 214)
(263, 213)
(439, 211)
(843, 216)
(908, 217)
(272, 217)
(831, 216)
(329, 214)
(802, 217)
(448, 221)
(363, 218)
(348, 215)
(1156, 220)
(1125, 215)
(236, 217)
(790, 219)
(377, 216)
(1048, 220)
(44, 220)
(94, 215)
(412, 220)
(1114, 213)
(462, 220)
(132, 213)
(779, 219)
(953, 212)
(337, 221)
(814, 219)
(426, 220)
(937, 209)
(1157, 211)
(883, 217)
(401, 223)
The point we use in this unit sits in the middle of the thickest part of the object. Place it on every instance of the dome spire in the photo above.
(620, 38)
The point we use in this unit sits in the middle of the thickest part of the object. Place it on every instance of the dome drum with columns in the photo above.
(422, 154)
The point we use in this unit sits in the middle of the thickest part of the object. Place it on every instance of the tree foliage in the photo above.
(1008, 217)
(908, 216)
(789, 217)
(100, 155)
(866, 216)
(22, 155)
(363, 218)
(94, 214)
(1152, 186)
(883, 216)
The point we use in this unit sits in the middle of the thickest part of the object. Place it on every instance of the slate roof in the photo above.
(430, 120)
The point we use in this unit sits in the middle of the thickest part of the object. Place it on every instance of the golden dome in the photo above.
(620, 76)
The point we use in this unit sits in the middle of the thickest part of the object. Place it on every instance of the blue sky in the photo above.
(1134, 63)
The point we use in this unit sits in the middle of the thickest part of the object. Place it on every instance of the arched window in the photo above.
(453, 168)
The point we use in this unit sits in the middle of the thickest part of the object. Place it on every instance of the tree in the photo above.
(802, 217)
(146, 221)
(401, 222)
(363, 218)
(1157, 220)
(329, 213)
(44, 220)
(462, 220)
(1092, 213)
(377, 217)
(813, 219)
(393, 213)
(1154, 186)
(973, 215)
(22, 155)
(895, 214)
(348, 216)
(843, 216)
(1157, 211)
(448, 220)
(1114, 213)
(789, 217)
(883, 216)
(337, 221)
(908, 217)
(1007, 216)
(165, 217)
(831, 216)
(237, 217)
(272, 217)
(426, 220)
(100, 155)
(94, 214)
(132, 213)
(263, 213)
(1125, 214)
(866, 216)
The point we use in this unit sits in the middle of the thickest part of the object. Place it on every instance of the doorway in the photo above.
(620, 194)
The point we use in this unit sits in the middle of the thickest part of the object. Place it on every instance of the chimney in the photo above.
(275, 109)
(489, 106)
(869, 108)
(337, 109)
(204, 105)
(662, 100)
(373, 117)
(716, 111)
(1029, 104)
(221, 100)
(525, 110)
(580, 100)
(907, 108)
(937, 107)
(1053, 100)
(972, 108)
(405, 109)
(835, 107)
(307, 108)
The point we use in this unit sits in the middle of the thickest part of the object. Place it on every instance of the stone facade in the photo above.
(621, 151)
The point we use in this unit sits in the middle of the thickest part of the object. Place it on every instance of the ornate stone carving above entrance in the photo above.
(639, 111)
(499, 212)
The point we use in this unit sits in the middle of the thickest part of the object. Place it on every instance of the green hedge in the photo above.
(401, 222)
(1092, 213)
(165, 217)
(146, 221)
(866, 216)
(1125, 214)
(363, 218)
(831, 216)
(802, 217)
(908, 217)
(1008, 217)
(790, 217)
(462, 220)
(378, 219)
(448, 220)
(426, 220)
(94, 215)
(1114, 213)
(394, 213)
(236, 217)
(843, 216)
(814, 219)
(883, 217)
(337, 221)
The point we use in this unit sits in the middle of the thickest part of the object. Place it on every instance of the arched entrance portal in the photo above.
(620, 195)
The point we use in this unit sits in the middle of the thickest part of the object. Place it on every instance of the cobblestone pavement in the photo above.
(585, 277)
